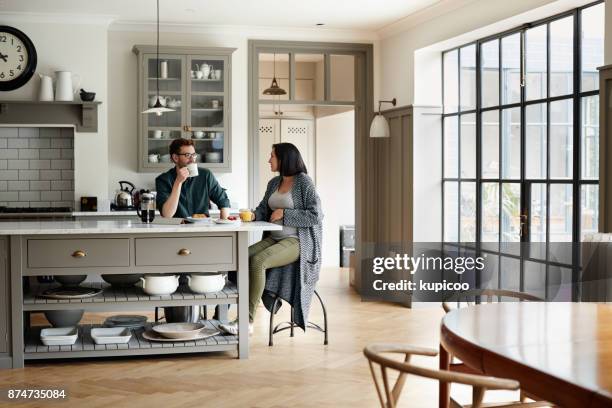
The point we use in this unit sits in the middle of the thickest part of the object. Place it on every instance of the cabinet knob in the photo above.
(184, 252)
(79, 254)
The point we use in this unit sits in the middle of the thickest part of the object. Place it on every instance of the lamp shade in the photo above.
(379, 127)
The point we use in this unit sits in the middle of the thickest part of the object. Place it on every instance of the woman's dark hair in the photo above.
(290, 160)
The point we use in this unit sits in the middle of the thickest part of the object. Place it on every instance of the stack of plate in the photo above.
(179, 332)
(72, 292)
(129, 321)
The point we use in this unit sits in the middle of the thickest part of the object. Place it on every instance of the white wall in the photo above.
(608, 34)
(335, 162)
(82, 49)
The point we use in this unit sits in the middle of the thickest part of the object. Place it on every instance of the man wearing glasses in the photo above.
(181, 196)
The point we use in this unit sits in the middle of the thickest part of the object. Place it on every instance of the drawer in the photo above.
(185, 251)
(78, 253)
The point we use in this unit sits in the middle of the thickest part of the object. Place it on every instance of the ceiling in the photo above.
(369, 15)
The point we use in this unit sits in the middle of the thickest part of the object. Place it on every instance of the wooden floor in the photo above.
(296, 372)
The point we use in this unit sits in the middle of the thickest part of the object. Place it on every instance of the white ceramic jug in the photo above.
(45, 93)
(64, 89)
(205, 69)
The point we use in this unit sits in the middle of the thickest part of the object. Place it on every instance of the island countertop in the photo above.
(123, 227)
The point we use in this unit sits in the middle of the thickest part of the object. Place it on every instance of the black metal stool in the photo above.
(291, 325)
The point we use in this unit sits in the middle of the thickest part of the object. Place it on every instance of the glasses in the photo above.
(187, 155)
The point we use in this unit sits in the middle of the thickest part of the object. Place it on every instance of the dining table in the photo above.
(559, 352)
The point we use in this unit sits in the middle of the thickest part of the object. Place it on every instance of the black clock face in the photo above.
(17, 58)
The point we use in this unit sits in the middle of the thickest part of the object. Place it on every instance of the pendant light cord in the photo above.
(158, 63)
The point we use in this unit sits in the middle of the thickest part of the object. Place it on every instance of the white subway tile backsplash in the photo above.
(18, 185)
(50, 175)
(29, 132)
(62, 204)
(50, 153)
(29, 175)
(8, 132)
(46, 133)
(29, 196)
(18, 164)
(9, 154)
(3, 185)
(61, 164)
(29, 153)
(17, 143)
(9, 196)
(40, 164)
(9, 175)
(3, 164)
(39, 143)
(51, 195)
(61, 185)
(61, 143)
(40, 185)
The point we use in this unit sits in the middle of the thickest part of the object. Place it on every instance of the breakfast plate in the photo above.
(220, 221)
(199, 220)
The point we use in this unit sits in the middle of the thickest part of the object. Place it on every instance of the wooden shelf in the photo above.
(138, 345)
(130, 298)
(83, 115)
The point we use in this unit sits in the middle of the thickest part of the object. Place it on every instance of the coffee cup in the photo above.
(193, 169)
(217, 74)
(199, 74)
(153, 158)
(157, 134)
(198, 134)
(246, 215)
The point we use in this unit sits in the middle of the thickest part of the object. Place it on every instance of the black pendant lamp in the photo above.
(274, 89)
(158, 108)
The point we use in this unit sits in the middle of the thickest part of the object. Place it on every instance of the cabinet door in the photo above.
(301, 134)
(5, 300)
(208, 104)
(269, 133)
(159, 131)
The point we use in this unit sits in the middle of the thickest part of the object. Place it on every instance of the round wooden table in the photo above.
(561, 352)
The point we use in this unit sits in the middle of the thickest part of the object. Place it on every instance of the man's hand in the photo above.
(277, 215)
(181, 175)
(224, 213)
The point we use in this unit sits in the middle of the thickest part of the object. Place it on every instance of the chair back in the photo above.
(470, 297)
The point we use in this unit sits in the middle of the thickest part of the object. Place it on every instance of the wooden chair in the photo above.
(388, 396)
(468, 298)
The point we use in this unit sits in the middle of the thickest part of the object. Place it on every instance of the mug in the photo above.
(193, 169)
(198, 134)
(217, 74)
(153, 158)
(157, 134)
(199, 74)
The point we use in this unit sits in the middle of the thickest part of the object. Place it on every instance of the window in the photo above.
(521, 145)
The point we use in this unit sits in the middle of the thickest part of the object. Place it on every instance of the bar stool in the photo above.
(291, 325)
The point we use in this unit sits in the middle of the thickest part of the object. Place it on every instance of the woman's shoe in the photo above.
(232, 327)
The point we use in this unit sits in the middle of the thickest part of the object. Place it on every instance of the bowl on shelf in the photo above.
(212, 157)
(61, 336)
(64, 318)
(87, 96)
(70, 280)
(206, 282)
(165, 158)
(159, 284)
(122, 280)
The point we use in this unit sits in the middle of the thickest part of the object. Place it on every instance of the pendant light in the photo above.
(380, 126)
(274, 89)
(158, 108)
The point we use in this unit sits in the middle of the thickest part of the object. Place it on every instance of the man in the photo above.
(181, 196)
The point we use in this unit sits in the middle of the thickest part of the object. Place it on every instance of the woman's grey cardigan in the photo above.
(296, 286)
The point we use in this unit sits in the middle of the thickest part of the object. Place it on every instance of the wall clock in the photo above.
(17, 58)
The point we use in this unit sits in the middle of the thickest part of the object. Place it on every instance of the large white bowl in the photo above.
(206, 282)
(159, 285)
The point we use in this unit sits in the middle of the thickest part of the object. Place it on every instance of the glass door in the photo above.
(161, 130)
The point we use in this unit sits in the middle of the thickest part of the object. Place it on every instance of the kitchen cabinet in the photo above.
(300, 132)
(196, 84)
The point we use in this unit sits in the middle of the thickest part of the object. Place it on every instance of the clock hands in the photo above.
(3, 57)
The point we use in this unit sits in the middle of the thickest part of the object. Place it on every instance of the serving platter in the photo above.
(73, 292)
(202, 334)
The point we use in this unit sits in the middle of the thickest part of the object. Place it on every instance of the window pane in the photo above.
(468, 146)
(468, 212)
(510, 217)
(537, 221)
(273, 66)
(342, 77)
(535, 63)
(589, 209)
(510, 274)
(489, 62)
(561, 212)
(451, 207)
(310, 77)
(535, 141)
(589, 137)
(468, 78)
(561, 138)
(451, 147)
(511, 143)
(490, 215)
(562, 56)
(511, 69)
(451, 81)
(535, 278)
(490, 144)
(592, 46)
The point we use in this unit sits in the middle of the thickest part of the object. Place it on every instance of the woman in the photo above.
(291, 201)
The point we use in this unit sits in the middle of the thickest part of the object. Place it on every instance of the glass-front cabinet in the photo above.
(196, 84)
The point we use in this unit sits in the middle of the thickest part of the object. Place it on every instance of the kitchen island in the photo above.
(42, 248)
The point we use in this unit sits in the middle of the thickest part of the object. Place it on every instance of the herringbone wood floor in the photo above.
(296, 372)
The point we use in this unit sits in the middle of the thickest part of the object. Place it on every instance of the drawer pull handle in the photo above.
(79, 254)
(184, 252)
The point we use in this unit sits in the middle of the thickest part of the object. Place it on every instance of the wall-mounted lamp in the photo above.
(380, 126)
